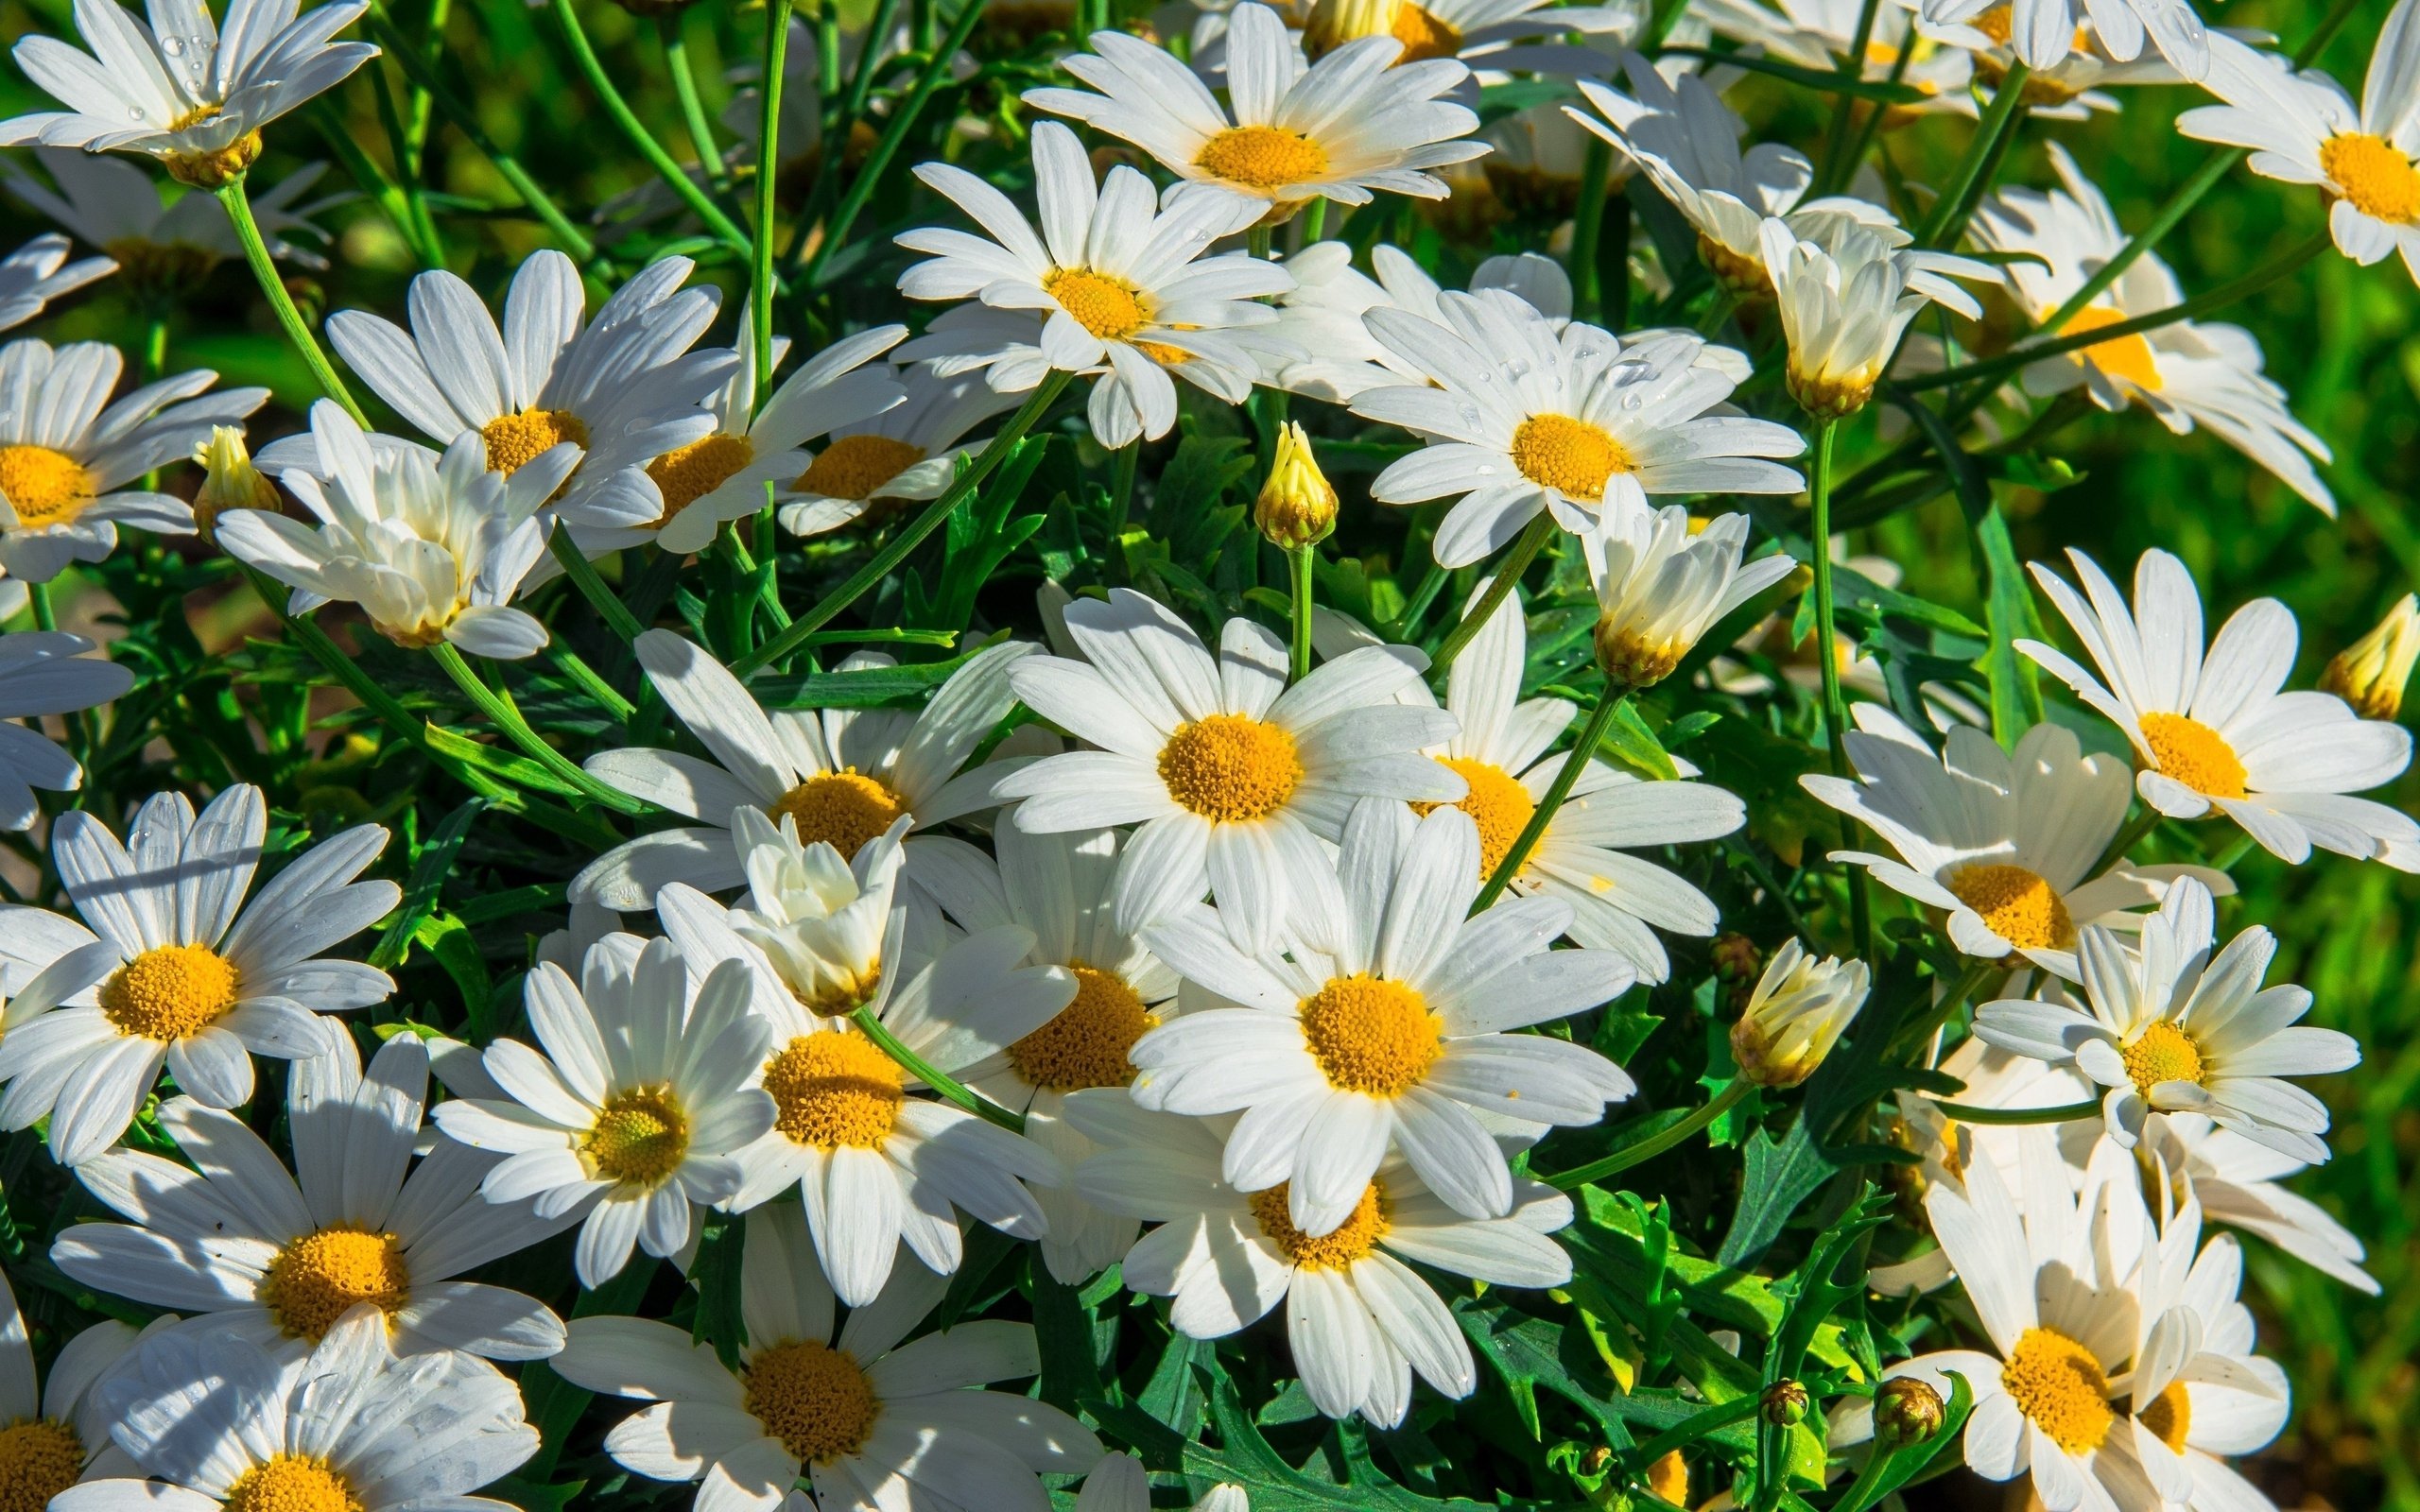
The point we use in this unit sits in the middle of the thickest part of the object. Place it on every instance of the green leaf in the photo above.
(1065, 1331)
(1780, 1177)
(430, 868)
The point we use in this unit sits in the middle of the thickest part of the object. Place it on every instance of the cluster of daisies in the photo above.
(1247, 967)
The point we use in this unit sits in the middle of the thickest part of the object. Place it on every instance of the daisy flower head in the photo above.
(865, 1417)
(1801, 1006)
(2199, 1393)
(2241, 1183)
(906, 453)
(840, 776)
(56, 1433)
(2004, 842)
(2177, 1027)
(433, 549)
(1524, 414)
(163, 250)
(1359, 1322)
(1232, 776)
(1323, 314)
(1496, 39)
(194, 99)
(350, 1424)
(189, 974)
(1662, 583)
(1113, 284)
(246, 1249)
(631, 1115)
(2304, 128)
(2185, 374)
(2070, 88)
(38, 272)
(2214, 730)
(1385, 1027)
(2043, 32)
(1819, 34)
(1845, 303)
(45, 673)
(71, 464)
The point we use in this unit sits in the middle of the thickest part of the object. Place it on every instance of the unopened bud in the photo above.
(1669, 1478)
(2370, 674)
(1596, 1461)
(231, 482)
(1906, 1411)
(1796, 1015)
(1784, 1404)
(1736, 956)
(1297, 506)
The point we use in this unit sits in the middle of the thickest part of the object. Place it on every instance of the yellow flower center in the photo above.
(1230, 768)
(844, 810)
(1088, 1042)
(1570, 456)
(1349, 1240)
(2058, 1384)
(1262, 157)
(813, 1398)
(516, 440)
(1370, 1034)
(1999, 24)
(2194, 754)
(45, 488)
(37, 1460)
(1499, 804)
(687, 473)
(319, 1278)
(1741, 274)
(2373, 175)
(2129, 357)
(169, 992)
(160, 267)
(1109, 308)
(2162, 1053)
(2169, 1416)
(291, 1482)
(1334, 23)
(640, 1137)
(835, 1087)
(2017, 904)
(854, 466)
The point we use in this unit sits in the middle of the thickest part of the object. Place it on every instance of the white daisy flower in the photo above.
(190, 975)
(907, 453)
(2183, 374)
(45, 673)
(1359, 1322)
(433, 549)
(55, 1432)
(2199, 1393)
(351, 1424)
(1233, 777)
(2302, 128)
(1354, 121)
(2240, 1183)
(1818, 34)
(1844, 308)
(1524, 415)
(1385, 1027)
(2215, 731)
(631, 1115)
(165, 249)
(863, 1420)
(2070, 88)
(175, 89)
(842, 776)
(2004, 841)
(1322, 313)
(1496, 39)
(1662, 583)
(1112, 285)
(71, 470)
(2043, 32)
(253, 1252)
(2174, 1028)
(38, 272)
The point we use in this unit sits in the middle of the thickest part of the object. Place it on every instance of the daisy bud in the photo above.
(1906, 1411)
(1736, 956)
(1784, 1404)
(1334, 23)
(1796, 1015)
(2370, 673)
(1297, 506)
(1661, 585)
(1669, 1478)
(233, 481)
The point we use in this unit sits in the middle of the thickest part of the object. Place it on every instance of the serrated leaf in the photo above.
(1779, 1178)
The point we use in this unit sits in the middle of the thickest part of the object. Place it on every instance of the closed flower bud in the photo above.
(2370, 673)
(1906, 1411)
(1736, 956)
(1663, 581)
(1796, 1015)
(1297, 507)
(1784, 1404)
(231, 482)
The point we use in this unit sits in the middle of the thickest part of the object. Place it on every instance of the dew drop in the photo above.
(173, 47)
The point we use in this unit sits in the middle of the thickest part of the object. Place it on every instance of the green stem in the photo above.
(1655, 1143)
(420, 107)
(1301, 557)
(1689, 1431)
(906, 541)
(1836, 709)
(635, 130)
(1516, 560)
(1949, 213)
(1844, 116)
(931, 1076)
(2179, 204)
(1608, 702)
(2063, 1113)
(46, 613)
(869, 63)
(501, 713)
(1126, 462)
(574, 667)
(1587, 227)
(155, 348)
(239, 212)
(777, 46)
(2127, 839)
(600, 596)
(1314, 221)
(693, 109)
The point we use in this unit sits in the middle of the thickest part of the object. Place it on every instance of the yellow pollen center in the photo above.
(2162, 1053)
(291, 1482)
(2373, 175)
(1370, 1034)
(45, 488)
(319, 1278)
(835, 1087)
(2058, 1384)
(1087, 1044)
(1570, 456)
(169, 992)
(1349, 1241)
(2017, 904)
(1423, 35)
(1109, 308)
(1230, 768)
(1262, 157)
(516, 440)
(2129, 357)
(687, 473)
(854, 466)
(844, 810)
(1499, 804)
(2169, 1416)
(813, 1398)
(37, 1460)
(2194, 754)
(640, 1137)
(1999, 24)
